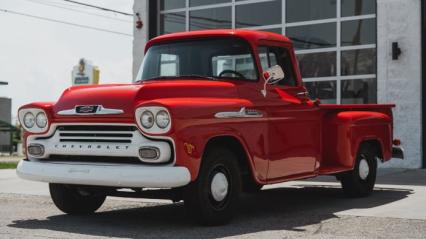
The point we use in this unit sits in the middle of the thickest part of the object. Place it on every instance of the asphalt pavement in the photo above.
(301, 209)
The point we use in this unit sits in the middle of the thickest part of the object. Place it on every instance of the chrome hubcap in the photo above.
(219, 186)
(364, 169)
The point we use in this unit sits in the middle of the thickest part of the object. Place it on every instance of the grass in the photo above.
(8, 165)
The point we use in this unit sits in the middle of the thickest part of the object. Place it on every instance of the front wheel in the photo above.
(71, 200)
(360, 181)
(212, 198)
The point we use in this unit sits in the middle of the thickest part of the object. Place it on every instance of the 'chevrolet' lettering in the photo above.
(92, 147)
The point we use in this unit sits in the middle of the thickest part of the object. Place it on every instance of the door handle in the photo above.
(302, 94)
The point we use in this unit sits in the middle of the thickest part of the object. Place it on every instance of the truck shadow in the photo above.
(272, 209)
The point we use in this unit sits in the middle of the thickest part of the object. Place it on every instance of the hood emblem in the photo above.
(90, 110)
(86, 109)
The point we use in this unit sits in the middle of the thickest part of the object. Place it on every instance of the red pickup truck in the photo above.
(211, 114)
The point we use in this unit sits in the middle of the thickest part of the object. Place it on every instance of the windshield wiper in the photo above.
(157, 78)
(198, 76)
(181, 76)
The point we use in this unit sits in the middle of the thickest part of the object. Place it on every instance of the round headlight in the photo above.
(162, 119)
(41, 120)
(147, 119)
(29, 120)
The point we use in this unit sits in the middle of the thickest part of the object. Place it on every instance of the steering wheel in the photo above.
(232, 72)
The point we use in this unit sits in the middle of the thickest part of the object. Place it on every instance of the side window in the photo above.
(169, 65)
(263, 56)
(271, 56)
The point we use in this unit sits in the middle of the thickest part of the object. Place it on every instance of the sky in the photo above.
(37, 57)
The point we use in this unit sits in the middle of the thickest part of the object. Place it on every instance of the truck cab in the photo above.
(211, 114)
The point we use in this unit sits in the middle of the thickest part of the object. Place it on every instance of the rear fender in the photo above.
(345, 131)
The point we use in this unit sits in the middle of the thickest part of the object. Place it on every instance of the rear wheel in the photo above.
(360, 181)
(71, 200)
(212, 198)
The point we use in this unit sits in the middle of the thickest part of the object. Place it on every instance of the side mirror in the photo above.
(272, 76)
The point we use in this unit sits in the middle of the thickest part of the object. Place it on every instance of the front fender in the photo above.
(195, 124)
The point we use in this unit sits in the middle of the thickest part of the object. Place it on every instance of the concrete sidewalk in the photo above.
(399, 193)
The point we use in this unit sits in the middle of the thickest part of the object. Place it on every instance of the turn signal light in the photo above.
(149, 153)
(36, 150)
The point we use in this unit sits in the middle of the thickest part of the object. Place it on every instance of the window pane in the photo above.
(171, 4)
(313, 36)
(359, 62)
(242, 64)
(169, 65)
(202, 57)
(258, 14)
(324, 90)
(358, 7)
(274, 30)
(273, 60)
(263, 56)
(359, 32)
(281, 56)
(193, 3)
(210, 18)
(359, 91)
(268, 59)
(317, 64)
(172, 22)
(306, 10)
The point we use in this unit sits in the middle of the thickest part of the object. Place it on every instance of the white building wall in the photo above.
(140, 36)
(399, 81)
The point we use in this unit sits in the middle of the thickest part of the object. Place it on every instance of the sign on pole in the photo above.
(85, 73)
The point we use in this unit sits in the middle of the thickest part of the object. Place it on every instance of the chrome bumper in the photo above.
(113, 175)
(397, 152)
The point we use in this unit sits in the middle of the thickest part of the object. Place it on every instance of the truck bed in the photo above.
(346, 126)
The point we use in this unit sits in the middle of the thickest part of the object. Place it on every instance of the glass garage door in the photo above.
(335, 40)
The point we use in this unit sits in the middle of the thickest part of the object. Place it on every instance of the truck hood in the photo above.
(128, 96)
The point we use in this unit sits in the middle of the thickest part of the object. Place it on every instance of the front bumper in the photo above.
(112, 175)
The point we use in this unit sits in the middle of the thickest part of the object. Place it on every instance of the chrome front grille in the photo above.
(97, 144)
(96, 133)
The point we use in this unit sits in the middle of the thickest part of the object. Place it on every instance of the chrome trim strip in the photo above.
(100, 111)
(243, 113)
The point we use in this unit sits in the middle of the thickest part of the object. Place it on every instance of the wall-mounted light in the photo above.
(396, 51)
(139, 23)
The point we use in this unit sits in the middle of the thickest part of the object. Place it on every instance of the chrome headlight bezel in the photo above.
(41, 120)
(147, 119)
(35, 128)
(29, 120)
(162, 119)
(155, 128)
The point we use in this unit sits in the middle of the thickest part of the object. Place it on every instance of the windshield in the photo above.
(199, 58)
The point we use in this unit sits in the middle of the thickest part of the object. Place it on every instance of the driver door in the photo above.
(293, 120)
